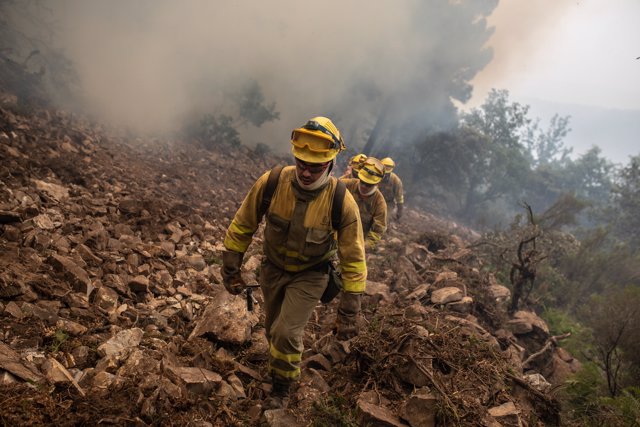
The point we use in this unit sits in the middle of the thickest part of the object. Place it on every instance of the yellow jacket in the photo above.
(391, 189)
(296, 247)
(373, 212)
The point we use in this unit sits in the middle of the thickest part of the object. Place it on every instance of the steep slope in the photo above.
(112, 309)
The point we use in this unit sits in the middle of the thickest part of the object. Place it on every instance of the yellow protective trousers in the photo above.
(289, 300)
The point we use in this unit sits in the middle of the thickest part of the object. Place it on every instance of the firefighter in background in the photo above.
(299, 241)
(373, 208)
(355, 163)
(391, 187)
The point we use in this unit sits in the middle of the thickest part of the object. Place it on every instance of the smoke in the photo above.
(524, 28)
(150, 64)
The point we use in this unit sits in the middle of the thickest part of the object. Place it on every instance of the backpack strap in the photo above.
(272, 183)
(336, 207)
(269, 189)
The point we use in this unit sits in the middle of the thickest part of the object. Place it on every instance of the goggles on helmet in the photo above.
(372, 172)
(316, 144)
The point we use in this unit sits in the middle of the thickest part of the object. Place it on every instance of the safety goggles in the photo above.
(320, 145)
(311, 167)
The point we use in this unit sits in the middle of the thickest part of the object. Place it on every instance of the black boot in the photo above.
(279, 394)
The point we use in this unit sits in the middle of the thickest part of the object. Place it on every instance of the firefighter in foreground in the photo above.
(391, 187)
(299, 241)
(355, 163)
(373, 208)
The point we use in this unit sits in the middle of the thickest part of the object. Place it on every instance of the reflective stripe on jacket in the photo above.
(373, 212)
(293, 246)
(391, 189)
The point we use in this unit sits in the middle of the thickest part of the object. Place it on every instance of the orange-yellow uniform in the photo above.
(373, 212)
(391, 189)
(299, 241)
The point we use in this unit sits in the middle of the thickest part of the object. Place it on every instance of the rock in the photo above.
(279, 418)
(139, 284)
(420, 292)
(55, 191)
(11, 361)
(76, 275)
(237, 386)
(317, 361)
(102, 381)
(506, 414)
(107, 299)
(379, 292)
(73, 328)
(315, 380)
(446, 277)
(14, 310)
(463, 306)
(227, 319)
(87, 255)
(56, 373)
(43, 222)
(538, 382)
(7, 217)
(406, 275)
(446, 295)
(252, 264)
(420, 409)
(196, 380)
(370, 414)
(524, 322)
(196, 261)
(499, 293)
(6, 378)
(121, 345)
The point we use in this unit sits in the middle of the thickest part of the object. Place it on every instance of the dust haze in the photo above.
(152, 64)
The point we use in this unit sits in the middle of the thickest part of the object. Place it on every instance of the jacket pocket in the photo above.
(276, 230)
(318, 242)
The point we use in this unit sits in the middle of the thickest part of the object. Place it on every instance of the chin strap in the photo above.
(373, 190)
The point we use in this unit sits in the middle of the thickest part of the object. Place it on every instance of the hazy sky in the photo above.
(583, 53)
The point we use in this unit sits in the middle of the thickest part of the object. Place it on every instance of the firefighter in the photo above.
(355, 163)
(391, 187)
(373, 208)
(299, 241)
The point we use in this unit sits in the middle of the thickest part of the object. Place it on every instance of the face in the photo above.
(308, 173)
(366, 188)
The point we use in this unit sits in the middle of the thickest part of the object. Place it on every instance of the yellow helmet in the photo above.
(357, 161)
(389, 164)
(318, 141)
(372, 171)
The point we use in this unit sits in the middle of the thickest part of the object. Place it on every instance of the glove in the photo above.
(347, 319)
(399, 211)
(231, 278)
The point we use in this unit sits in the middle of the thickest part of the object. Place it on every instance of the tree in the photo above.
(626, 204)
(614, 318)
(251, 106)
(547, 147)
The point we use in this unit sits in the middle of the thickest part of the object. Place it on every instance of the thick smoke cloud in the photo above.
(152, 63)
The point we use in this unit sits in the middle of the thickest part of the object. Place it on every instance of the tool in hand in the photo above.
(250, 298)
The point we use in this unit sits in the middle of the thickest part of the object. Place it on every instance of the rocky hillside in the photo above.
(112, 310)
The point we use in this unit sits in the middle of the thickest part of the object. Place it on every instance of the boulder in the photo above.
(420, 409)
(446, 295)
(227, 319)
